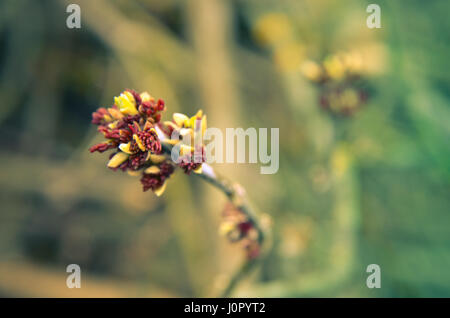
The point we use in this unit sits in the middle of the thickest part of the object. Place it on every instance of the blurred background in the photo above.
(369, 186)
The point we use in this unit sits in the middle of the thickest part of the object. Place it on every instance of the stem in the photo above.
(236, 194)
(243, 271)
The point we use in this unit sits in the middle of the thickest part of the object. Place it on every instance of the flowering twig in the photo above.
(145, 146)
(237, 197)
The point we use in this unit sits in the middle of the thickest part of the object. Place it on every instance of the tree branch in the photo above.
(236, 194)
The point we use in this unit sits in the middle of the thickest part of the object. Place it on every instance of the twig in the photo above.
(236, 194)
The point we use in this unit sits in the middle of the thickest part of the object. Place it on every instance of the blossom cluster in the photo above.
(238, 228)
(341, 81)
(136, 135)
